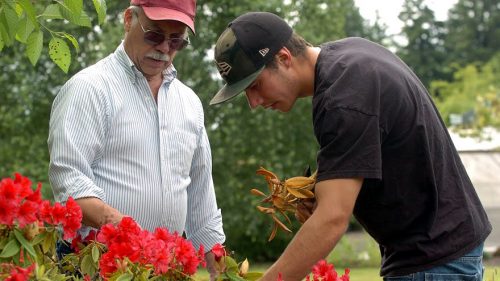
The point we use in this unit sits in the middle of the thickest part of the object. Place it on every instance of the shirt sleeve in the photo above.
(77, 133)
(204, 219)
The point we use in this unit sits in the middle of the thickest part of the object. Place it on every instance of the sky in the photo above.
(390, 9)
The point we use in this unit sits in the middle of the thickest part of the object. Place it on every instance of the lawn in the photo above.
(360, 274)
(357, 274)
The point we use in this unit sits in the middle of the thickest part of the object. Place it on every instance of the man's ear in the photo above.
(284, 57)
(128, 15)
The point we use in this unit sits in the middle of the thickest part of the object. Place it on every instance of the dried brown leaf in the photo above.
(273, 233)
(257, 192)
(280, 224)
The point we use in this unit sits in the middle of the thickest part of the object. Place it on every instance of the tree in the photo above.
(473, 31)
(28, 91)
(474, 92)
(424, 52)
(24, 22)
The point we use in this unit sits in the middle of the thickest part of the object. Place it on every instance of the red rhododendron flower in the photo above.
(73, 219)
(58, 213)
(324, 271)
(218, 251)
(27, 213)
(8, 211)
(23, 185)
(20, 274)
(168, 254)
(8, 190)
(36, 196)
(201, 253)
(78, 243)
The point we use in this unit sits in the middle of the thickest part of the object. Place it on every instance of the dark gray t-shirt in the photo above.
(374, 119)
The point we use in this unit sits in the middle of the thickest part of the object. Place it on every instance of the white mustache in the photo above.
(159, 56)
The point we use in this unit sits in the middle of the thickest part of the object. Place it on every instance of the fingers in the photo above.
(304, 210)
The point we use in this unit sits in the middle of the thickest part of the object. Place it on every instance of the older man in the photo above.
(127, 138)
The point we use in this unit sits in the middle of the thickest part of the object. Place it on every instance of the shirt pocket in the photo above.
(181, 149)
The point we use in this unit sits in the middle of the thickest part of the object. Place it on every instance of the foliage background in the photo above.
(456, 60)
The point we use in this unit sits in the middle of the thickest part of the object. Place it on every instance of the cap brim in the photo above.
(159, 13)
(230, 91)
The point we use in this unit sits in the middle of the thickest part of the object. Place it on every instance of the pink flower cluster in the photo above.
(20, 205)
(170, 255)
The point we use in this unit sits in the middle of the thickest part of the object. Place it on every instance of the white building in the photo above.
(482, 162)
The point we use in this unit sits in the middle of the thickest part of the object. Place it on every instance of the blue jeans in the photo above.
(467, 268)
(63, 248)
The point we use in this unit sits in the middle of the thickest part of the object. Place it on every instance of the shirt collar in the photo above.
(169, 74)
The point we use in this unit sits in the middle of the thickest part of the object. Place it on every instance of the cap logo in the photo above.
(263, 52)
(224, 68)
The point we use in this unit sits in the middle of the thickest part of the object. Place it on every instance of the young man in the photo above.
(127, 138)
(385, 154)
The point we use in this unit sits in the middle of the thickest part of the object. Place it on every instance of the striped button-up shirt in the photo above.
(150, 160)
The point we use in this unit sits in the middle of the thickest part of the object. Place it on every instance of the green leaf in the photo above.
(253, 276)
(75, 6)
(59, 53)
(125, 277)
(88, 266)
(4, 35)
(73, 41)
(231, 264)
(38, 238)
(234, 276)
(100, 8)
(10, 3)
(81, 19)
(1, 42)
(49, 242)
(52, 12)
(10, 249)
(29, 10)
(8, 24)
(95, 254)
(24, 29)
(27, 245)
(40, 271)
(34, 46)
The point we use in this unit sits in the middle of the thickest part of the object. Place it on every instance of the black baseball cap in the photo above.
(245, 47)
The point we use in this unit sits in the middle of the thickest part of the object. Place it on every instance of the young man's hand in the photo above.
(305, 208)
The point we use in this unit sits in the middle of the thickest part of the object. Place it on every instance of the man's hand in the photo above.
(305, 208)
(96, 213)
(211, 265)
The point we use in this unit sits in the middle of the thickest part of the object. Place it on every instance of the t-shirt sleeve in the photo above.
(349, 145)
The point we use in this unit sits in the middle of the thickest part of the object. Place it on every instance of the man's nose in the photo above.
(253, 99)
(164, 46)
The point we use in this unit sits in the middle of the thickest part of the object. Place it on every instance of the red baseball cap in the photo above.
(178, 10)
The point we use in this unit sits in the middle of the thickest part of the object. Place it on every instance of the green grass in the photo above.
(492, 274)
(357, 274)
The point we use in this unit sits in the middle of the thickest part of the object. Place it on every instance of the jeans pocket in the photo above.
(452, 277)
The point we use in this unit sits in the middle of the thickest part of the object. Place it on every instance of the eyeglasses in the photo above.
(154, 38)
